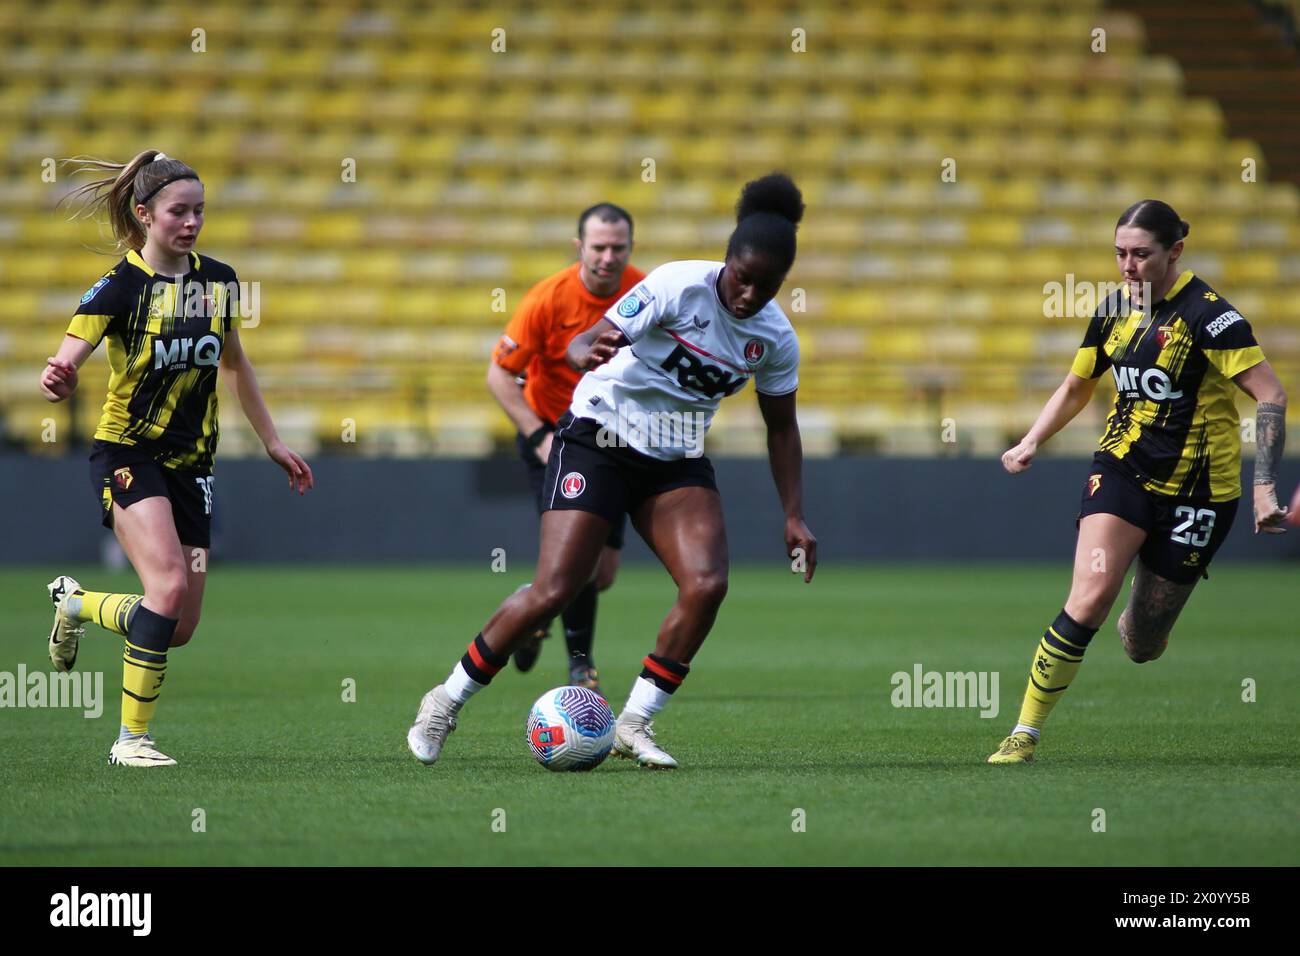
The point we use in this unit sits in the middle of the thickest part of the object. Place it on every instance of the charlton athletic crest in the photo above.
(1094, 482)
(753, 351)
(572, 485)
(123, 477)
(1164, 334)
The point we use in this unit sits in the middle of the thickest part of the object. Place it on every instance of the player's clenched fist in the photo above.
(1016, 460)
(58, 379)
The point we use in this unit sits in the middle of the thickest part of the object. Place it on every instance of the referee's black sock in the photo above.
(580, 622)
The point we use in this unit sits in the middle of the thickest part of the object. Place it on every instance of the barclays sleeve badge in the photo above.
(635, 301)
(90, 293)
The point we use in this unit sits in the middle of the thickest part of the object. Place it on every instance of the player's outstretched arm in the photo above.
(595, 347)
(239, 374)
(1068, 400)
(59, 377)
(785, 453)
(1261, 383)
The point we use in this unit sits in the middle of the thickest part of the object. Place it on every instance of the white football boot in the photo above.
(634, 738)
(436, 719)
(138, 752)
(66, 635)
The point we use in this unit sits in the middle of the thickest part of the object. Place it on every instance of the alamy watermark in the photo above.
(676, 430)
(1082, 299)
(209, 300)
(81, 690)
(129, 910)
(922, 688)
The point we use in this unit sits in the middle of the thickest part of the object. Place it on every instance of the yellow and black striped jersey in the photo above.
(1174, 423)
(164, 339)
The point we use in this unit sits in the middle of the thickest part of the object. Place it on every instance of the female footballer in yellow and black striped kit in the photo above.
(165, 313)
(1165, 481)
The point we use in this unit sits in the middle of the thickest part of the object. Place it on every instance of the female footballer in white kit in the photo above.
(688, 335)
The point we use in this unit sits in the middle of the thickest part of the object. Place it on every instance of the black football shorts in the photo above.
(126, 474)
(537, 480)
(1183, 534)
(611, 481)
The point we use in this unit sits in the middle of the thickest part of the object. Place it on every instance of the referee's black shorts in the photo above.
(611, 481)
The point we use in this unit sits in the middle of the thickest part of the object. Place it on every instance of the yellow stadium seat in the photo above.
(385, 294)
(1257, 268)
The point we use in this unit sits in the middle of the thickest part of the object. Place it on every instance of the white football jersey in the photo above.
(687, 352)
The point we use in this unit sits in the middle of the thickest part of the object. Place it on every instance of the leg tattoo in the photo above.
(1153, 607)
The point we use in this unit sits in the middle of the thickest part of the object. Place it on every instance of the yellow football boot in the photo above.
(1018, 748)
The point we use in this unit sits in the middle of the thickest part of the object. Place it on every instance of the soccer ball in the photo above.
(570, 728)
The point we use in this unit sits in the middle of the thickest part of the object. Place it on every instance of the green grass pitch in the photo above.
(788, 707)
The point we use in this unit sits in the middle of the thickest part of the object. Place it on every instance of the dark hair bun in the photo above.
(774, 193)
(1187, 227)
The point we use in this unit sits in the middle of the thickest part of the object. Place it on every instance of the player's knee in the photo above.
(551, 598)
(706, 587)
(1125, 625)
(1141, 653)
(166, 594)
(606, 568)
(1140, 645)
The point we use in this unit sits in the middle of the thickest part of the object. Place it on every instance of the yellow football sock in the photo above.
(144, 666)
(1056, 661)
(108, 610)
(142, 677)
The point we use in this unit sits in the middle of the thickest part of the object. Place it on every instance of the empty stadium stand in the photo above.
(919, 297)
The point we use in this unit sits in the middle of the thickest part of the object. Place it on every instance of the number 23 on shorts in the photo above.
(1185, 533)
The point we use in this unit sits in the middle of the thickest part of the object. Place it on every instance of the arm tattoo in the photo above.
(1270, 436)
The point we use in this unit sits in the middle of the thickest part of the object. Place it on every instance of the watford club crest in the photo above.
(1094, 482)
(1043, 666)
(124, 478)
(1164, 334)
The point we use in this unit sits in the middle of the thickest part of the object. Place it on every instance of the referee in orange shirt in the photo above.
(533, 347)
